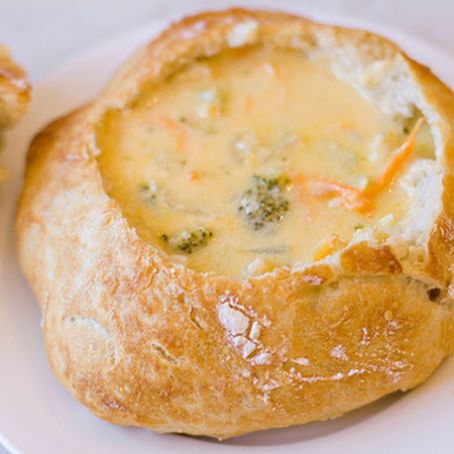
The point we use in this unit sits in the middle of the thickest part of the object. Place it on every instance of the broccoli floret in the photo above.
(264, 202)
(188, 241)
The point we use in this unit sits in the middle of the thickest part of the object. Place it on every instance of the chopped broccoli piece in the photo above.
(264, 202)
(148, 192)
(188, 241)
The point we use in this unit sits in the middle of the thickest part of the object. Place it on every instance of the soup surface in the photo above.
(256, 158)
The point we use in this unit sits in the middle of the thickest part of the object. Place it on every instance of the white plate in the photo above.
(38, 416)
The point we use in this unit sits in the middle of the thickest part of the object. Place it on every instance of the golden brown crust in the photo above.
(143, 341)
(361, 258)
(14, 90)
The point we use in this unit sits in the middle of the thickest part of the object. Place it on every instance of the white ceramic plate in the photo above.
(38, 416)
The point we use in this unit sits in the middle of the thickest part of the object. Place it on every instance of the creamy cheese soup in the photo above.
(256, 158)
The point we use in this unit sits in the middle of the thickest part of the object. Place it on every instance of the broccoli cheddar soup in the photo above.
(257, 158)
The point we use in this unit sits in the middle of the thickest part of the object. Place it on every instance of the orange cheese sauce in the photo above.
(184, 156)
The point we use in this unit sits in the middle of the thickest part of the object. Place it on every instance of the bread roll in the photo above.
(14, 95)
(251, 227)
(14, 90)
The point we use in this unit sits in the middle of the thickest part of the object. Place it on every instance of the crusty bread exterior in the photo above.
(14, 90)
(144, 341)
(14, 95)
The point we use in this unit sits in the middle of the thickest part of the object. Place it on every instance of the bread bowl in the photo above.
(146, 332)
(14, 94)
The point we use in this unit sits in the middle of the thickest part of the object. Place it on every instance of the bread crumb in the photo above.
(261, 358)
(233, 321)
(338, 352)
(245, 345)
(302, 361)
(255, 331)
(272, 384)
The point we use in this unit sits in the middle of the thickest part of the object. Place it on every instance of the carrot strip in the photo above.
(174, 128)
(299, 181)
(396, 164)
(194, 175)
(351, 197)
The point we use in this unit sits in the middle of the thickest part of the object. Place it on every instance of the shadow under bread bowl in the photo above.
(249, 228)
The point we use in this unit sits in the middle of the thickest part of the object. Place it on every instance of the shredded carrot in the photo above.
(168, 123)
(174, 128)
(299, 182)
(194, 175)
(354, 198)
(351, 197)
(396, 164)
